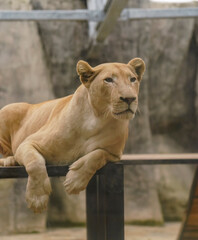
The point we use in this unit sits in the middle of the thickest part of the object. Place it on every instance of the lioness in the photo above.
(87, 129)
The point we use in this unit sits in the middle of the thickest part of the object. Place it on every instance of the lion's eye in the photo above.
(133, 79)
(108, 80)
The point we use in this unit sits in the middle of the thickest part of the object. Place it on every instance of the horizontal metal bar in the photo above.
(96, 16)
(132, 159)
(20, 172)
(46, 15)
(13, 172)
(160, 156)
(159, 162)
(139, 14)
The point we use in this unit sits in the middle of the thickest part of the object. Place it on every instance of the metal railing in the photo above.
(96, 16)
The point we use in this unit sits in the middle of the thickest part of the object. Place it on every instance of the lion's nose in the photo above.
(128, 100)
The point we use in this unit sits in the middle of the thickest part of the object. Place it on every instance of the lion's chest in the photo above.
(96, 134)
(91, 126)
(76, 140)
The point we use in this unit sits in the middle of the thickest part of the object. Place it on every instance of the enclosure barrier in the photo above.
(101, 22)
(105, 194)
(96, 15)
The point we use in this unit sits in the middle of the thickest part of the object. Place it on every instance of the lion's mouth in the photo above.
(125, 111)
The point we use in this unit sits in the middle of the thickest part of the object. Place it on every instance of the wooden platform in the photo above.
(189, 230)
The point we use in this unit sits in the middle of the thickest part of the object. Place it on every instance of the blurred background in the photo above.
(38, 62)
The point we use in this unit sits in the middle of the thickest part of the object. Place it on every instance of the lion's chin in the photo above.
(125, 115)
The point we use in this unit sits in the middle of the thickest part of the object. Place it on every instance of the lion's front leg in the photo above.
(38, 186)
(81, 171)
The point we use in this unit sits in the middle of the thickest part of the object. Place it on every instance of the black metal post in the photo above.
(114, 194)
(92, 209)
(105, 204)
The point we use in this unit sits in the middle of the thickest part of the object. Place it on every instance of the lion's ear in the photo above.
(139, 66)
(85, 71)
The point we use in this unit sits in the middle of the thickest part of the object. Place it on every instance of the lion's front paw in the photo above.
(76, 181)
(37, 195)
(9, 161)
(37, 203)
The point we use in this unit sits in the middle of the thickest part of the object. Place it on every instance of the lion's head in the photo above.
(113, 87)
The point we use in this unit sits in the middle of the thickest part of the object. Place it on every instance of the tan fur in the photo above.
(88, 129)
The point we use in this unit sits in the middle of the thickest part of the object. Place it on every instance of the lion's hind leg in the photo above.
(5, 147)
(8, 158)
(9, 161)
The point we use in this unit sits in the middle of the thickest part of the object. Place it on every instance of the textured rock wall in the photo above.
(172, 112)
(24, 76)
(63, 43)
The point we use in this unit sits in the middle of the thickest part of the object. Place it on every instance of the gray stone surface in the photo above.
(24, 220)
(172, 70)
(24, 76)
(142, 205)
(64, 43)
(173, 183)
(6, 204)
(65, 209)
